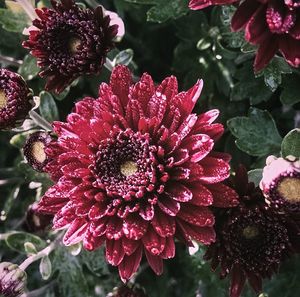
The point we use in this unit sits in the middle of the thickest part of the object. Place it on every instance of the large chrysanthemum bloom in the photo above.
(69, 41)
(273, 25)
(200, 4)
(16, 99)
(281, 184)
(135, 169)
(252, 239)
(12, 280)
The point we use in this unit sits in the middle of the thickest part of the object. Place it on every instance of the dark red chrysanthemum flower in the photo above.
(125, 291)
(135, 169)
(281, 184)
(252, 239)
(34, 150)
(200, 4)
(273, 25)
(70, 41)
(16, 99)
(12, 280)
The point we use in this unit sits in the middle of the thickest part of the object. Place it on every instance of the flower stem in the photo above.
(40, 121)
(45, 252)
(28, 8)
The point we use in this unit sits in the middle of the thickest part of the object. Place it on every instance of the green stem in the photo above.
(40, 121)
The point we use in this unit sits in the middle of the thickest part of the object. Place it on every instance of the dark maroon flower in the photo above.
(281, 184)
(200, 4)
(12, 280)
(273, 25)
(69, 41)
(16, 99)
(135, 169)
(34, 150)
(252, 239)
(125, 291)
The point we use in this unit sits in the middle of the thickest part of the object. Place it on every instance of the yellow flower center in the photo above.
(3, 99)
(250, 232)
(38, 151)
(128, 168)
(289, 189)
(74, 43)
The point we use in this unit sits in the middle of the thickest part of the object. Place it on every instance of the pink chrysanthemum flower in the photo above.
(272, 25)
(69, 41)
(134, 169)
(281, 184)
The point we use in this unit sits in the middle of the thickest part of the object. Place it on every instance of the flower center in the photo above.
(289, 189)
(3, 99)
(280, 20)
(74, 43)
(250, 232)
(38, 151)
(128, 168)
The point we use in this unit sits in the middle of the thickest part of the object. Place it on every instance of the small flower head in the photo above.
(69, 41)
(135, 169)
(16, 99)
(281, 184)
(12, 280)
(34, 150)
(252, 239)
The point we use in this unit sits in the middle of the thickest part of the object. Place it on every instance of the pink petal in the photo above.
(155, 263)
(130, 264)
(114, 228)
(76, 232)
(290, 49)
(178, 192)
(154, 243)
(169, 251)
(169, 206)
(223, 195)
(215, 170)
(114, 252)
(206, 235)
(134, 227)
(130, 245)
(244, 14)
(238, 279)
(196, 215)
(169, 87)
(120, 81)
(163, 224)
(201, 195)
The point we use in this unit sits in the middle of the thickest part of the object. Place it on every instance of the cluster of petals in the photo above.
(134, 169)
(272, 25)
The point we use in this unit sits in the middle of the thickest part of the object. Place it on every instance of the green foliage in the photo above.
(163, 10)
(256, 134)
(48, 108)
(291, 144)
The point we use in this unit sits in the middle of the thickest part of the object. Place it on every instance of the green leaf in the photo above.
(19, 139)
(95, 261)
(48, 108)
(291, 144)
(256, 134)
(291, 90)
(272, 73)
(13, 21)
(71, 279)
(45, 268)
(255, 176)
(164, 10)
(30, 248)
(124, 57)
(16, 241)
(29, 68)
